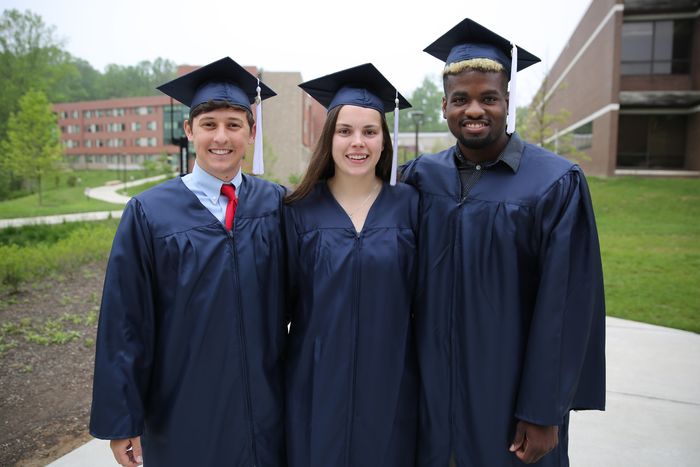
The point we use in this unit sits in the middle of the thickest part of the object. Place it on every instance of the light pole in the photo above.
(417, 117)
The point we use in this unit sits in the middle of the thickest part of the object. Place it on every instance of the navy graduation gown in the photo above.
(510, 324)
(352, 375)
(192, 330)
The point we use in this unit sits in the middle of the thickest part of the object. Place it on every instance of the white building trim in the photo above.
(608, 108)
(611, 13)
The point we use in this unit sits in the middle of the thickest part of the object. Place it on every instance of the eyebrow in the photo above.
(488, 92)
(371, 125)
(228, 119)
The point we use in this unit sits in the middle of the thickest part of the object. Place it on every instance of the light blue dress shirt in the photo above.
(208, 189)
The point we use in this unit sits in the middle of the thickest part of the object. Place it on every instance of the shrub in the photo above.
(89, 242)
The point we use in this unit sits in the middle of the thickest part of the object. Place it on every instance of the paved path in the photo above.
(60, 218)
(653, 401)
(109, 193)
(653, 405)
(106, 193)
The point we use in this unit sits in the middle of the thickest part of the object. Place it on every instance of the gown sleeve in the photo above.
(564, 364)
(125, 336)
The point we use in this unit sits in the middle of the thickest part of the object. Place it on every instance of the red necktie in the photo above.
(229, 191)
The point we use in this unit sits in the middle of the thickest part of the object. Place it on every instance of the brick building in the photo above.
(125, 132)
(630, 79)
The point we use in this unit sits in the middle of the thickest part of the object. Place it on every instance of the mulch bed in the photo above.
(46, 389)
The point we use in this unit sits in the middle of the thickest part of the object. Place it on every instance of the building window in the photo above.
(117, 127)
(651, 141)
(582, 137)
(656, 47)
(135, 126)
(153, 126)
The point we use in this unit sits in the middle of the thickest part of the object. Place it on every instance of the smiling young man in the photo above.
(192, 324)
(510, 323)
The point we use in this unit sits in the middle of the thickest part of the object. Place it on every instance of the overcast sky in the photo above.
(314, 37)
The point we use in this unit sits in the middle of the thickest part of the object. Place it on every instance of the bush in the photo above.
(40, 233)
(20, 264)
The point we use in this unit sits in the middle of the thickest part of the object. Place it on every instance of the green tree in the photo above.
(32, 147)
(138, 80)
(426, 98)
(31, 57)
(81, 83)
(539, 124)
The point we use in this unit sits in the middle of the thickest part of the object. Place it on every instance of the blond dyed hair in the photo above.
(484, 65)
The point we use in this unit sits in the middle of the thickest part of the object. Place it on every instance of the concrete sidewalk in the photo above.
(653, 405)
(107, 193)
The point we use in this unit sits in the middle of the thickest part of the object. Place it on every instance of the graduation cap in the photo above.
(362, 86)
(227, 81)
(470, 40)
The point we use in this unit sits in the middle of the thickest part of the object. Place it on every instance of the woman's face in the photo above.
(357, 142)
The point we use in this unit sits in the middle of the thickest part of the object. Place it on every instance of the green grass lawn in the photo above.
(63, 199)
(650, 240)
(135, 190)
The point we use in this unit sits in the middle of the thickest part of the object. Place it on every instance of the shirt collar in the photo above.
(510, 155)
(513, 152)
(209, 184)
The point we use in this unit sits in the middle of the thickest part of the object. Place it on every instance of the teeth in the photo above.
(220, 151)
(357, 157)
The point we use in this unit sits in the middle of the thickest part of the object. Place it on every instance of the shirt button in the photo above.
(478, 167)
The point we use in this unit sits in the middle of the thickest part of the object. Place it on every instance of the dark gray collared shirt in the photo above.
(470, 172)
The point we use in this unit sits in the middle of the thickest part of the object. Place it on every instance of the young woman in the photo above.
(351, 374)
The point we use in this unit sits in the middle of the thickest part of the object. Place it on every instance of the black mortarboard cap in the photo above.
(470, 40)
(222, 80)
(363, 86)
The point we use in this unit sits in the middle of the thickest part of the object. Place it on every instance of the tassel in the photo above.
(512, 104)
(258, 163)
(395, 157)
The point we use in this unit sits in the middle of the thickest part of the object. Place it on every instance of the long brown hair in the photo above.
(321, 166)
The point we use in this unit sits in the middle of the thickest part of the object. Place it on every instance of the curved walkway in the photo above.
(107, 193)
(653, 405)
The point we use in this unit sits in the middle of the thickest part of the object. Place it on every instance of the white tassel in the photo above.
(395, 158)
(512, 104)
(258, 163)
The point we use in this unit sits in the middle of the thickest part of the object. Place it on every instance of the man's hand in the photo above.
(127, 452)
(531, 441)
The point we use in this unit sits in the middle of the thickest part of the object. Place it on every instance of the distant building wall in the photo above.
(283, 122)
(114, 133)
(629, 78)
(583, 82)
